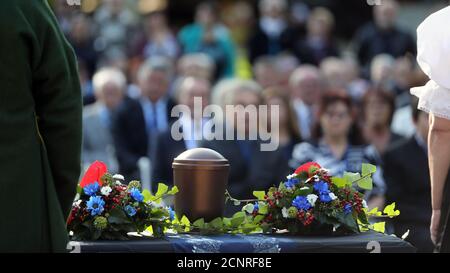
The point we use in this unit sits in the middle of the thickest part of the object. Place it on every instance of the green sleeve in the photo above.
(58, 102)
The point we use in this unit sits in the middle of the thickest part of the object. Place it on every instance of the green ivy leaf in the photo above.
(227, 222)
(390, 210)
(259, 194)
(237, 219)
(217, 223)
(365, 183)
(162, 189)
(379, 227)
(374, 212)
(200, 223)
(368, 169)
(185, 221)
(351, 177)
(339, 182)
(263, 208)
(248, 208)
(258, 219)
(147, 195)
(173, 191)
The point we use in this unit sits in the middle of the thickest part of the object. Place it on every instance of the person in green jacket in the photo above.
(40, 128)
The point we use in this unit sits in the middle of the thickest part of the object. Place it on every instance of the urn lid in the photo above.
(200, 156)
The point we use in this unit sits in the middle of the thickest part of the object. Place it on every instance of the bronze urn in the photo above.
(201, 176)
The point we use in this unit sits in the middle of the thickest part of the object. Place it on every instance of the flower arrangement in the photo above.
(106, 208)
(310, 201)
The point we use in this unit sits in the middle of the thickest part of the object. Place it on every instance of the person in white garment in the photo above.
(433, 56)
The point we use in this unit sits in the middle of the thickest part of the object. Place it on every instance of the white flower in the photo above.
(77, 203)
(119, 177)
(332, 196)
(291, 176)
(284, 212)
(364, 204)
(118, 183)
(304, 188)
(316, 178)
(106, 190)
(312, 198)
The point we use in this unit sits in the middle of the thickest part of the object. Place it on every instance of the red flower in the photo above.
(305, 167)
(94, 173)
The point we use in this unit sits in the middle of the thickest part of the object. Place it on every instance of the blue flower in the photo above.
(347, 208)
(301, 202)
(91, 189)
(171, 213)
(137, 195)
(322, 187)
(291, 182)
(255, 207)
(95, 205)
(130, 210)
(325, 197)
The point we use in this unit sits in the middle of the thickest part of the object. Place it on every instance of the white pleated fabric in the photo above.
(433, 56)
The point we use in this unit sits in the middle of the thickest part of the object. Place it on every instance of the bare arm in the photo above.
(439, 161)
(439, 157)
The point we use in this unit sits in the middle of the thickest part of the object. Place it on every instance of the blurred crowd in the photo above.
(343, 100)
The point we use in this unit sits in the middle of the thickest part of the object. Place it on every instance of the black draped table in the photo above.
(256, 243)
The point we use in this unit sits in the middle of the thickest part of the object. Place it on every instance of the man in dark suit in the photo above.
(408, 184)
(138, 121)
(272, 33)
(167, 148)
(383, 36)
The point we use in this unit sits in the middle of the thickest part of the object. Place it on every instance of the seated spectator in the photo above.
(377, 111)
(286, 65)
(265, 71)
(383, 36)
(334, 72)
(378, 108)
(109, 87)
(197, 65)
(271, 34)
(289, 134)
(86, 84)
(306, 85)
(357, 86)
(167, 147)
(408, 183)
(318, 42)
(250, 168)
(336, 144)
(382, 70)
(156, 38)
(81, 37)
(115, 27)
(207, 35)
(138, 121)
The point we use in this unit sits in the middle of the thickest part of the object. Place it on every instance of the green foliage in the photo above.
(259, 194)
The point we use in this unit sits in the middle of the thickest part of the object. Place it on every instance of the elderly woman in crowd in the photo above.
(336, 143)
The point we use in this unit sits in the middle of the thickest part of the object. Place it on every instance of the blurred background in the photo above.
(340, 70)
